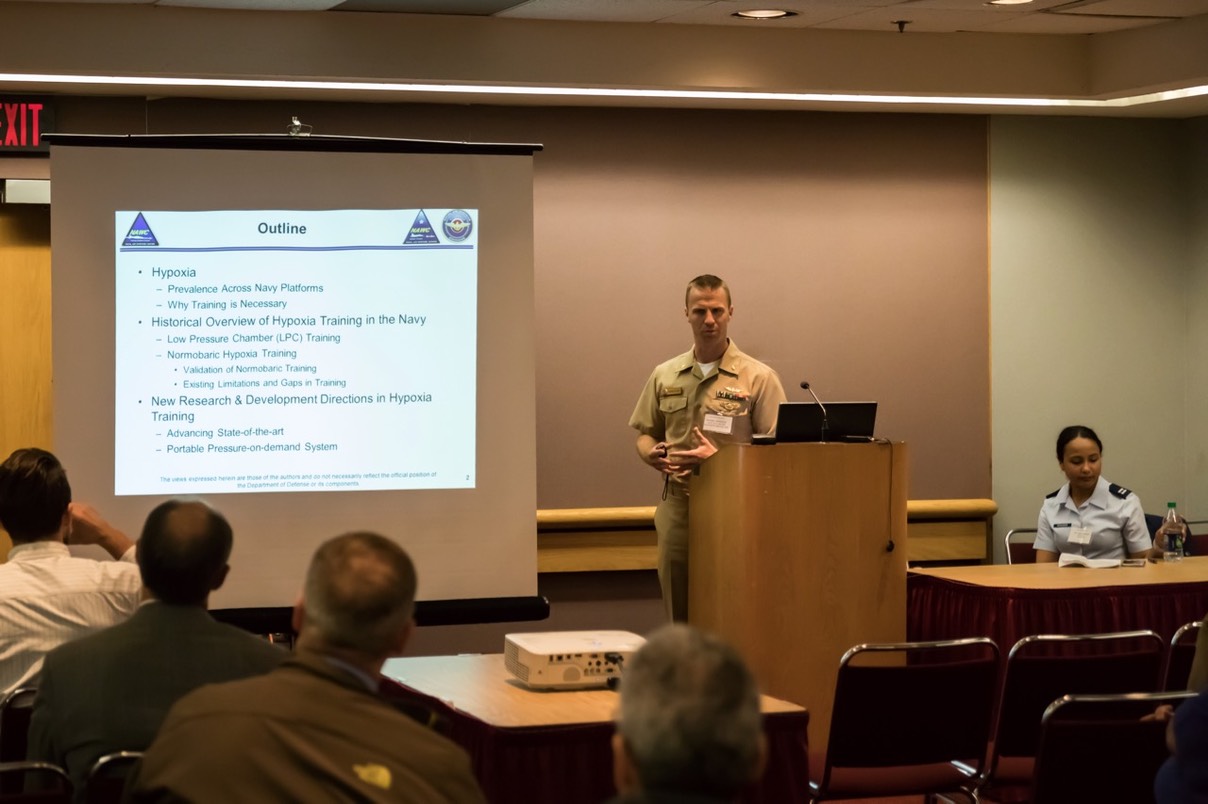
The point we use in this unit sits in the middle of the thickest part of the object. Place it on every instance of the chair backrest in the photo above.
(15, 712)
(1040, 669)
(1020, 544)
(34, 783)
(1179, 657)
(912, 703)
(107, 777)
(1098, 748)
(1197, 538)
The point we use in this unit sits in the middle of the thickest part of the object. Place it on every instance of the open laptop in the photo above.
(848, 421)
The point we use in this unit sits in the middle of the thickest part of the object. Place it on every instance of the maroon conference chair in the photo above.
(903, 714)
(1099, 748)
(1042, 668)
(34, 783)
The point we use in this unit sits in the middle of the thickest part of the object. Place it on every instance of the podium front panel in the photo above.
(798, 552)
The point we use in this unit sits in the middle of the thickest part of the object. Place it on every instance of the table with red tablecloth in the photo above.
(553, 747)
(1009, 601)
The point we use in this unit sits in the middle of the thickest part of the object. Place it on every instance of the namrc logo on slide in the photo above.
(140, 233)
(457, 225)
(421, 231)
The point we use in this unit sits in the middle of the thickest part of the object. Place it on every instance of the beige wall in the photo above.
(1194, 136)
(855, 245)
(1093, 290)
(1097, 229)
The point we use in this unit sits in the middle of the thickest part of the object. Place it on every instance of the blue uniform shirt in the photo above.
(1113, 514)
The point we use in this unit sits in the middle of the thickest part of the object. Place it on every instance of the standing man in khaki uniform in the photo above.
(711, 395)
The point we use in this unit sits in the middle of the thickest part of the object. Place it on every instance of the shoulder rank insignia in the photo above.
(1118, 491)
(374, 774)
(1052, 495)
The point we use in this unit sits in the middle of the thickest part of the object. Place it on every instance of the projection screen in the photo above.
(315, 335)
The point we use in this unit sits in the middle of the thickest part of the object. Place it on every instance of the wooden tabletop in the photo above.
(1050, 576)
(480, 686)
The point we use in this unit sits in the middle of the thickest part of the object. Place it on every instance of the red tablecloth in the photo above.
(940, 608)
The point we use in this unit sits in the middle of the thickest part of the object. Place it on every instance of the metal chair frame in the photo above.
(15, 712)
(1081, 735)
(107, 777)
(1008, 541)
(1177, 646)
(55, 785)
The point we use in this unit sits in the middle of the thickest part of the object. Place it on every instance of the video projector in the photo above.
(569, 659)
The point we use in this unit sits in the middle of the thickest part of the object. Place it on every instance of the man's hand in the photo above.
(1162, 714)
(654, 453)
(657, 457)
(89, 527)
(683, 461)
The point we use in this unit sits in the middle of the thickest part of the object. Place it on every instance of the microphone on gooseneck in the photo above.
(825, 422)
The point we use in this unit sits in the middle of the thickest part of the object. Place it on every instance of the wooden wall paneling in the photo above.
(25, 365)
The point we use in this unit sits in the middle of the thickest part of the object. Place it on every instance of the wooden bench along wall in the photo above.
(604, 539)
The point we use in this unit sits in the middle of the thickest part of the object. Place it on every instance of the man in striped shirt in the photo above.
(47, 595)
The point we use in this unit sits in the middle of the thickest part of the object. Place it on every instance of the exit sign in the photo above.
(23, 123)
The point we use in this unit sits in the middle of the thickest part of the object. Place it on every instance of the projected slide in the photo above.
(295, 350)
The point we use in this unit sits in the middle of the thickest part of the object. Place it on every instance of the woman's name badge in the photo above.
(1080, 535)
(715, 423)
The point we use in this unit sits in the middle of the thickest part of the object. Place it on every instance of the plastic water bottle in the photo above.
(1171, 534)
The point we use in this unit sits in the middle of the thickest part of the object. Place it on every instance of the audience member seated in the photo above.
(1183, 779)
(110, 691)
(48, 596)
(315, 729)
(1089, 516)
(689, 728)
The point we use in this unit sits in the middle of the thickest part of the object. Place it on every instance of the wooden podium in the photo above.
(788, 560)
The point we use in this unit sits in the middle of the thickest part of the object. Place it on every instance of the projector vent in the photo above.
(511, 660)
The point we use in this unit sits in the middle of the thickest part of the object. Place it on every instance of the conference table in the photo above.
(1007, 602)
(553, 747)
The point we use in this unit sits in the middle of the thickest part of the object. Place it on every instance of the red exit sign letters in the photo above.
(23, 122)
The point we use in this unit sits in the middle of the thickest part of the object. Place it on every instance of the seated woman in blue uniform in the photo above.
(1089, 516)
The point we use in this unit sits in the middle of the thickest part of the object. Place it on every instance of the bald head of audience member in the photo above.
(358, 600)
(34, 496)
(183, 552)
(689, 720)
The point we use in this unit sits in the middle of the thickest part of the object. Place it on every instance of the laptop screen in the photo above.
(847, 421)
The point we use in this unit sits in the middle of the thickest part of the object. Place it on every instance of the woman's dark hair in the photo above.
(1070, 433)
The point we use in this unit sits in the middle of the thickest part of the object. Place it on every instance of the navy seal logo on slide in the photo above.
(457, 225)
(140, 233)
(421, 231)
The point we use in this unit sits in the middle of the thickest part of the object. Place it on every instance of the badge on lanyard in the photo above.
(1080, 535)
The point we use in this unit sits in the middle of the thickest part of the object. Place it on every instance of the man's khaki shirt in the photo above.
(677, 397)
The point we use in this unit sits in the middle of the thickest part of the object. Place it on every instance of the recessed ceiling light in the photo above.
(764, 14)
(1007, 2)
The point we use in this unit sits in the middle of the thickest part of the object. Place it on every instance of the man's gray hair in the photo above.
(690, 715)
(360, 593)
